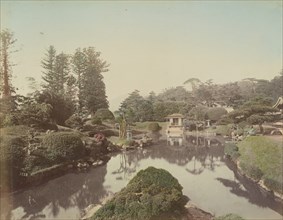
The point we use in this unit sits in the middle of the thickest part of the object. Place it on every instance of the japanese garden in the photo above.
(197, 150)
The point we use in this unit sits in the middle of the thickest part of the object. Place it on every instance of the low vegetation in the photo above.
(150, 194)
(229, 217)
(154, 127)
(232, 151)
(261, 158)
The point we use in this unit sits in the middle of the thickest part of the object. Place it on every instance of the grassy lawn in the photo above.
(261, 158)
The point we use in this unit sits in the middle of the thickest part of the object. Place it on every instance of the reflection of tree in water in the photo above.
(252, 191)
(180, 155)
(71, 190)
(128, 165)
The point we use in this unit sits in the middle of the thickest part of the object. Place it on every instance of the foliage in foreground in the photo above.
(151, 193)
(11, 159)
(229, 217)
(261, 158)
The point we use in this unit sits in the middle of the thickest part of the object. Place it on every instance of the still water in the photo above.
(207, 179)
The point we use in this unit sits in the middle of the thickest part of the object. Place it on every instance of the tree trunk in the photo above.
(260, 128)
(6, 86)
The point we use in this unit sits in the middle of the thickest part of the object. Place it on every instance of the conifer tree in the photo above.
(7, 42)
(88, 66)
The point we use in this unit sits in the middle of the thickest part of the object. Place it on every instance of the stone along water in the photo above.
(207, 178)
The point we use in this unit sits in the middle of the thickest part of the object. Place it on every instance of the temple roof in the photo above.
(175, 115)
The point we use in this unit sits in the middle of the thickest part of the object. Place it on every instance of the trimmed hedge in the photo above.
(96, 121)
(63, 147)
(152, 193)
(74, 121)
(104, 114)
(154, 127)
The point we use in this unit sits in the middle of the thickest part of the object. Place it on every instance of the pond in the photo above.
(207, 178)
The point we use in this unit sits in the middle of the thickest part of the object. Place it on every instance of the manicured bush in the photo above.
(74, 121)
(63, 146)
(154, 127)
(96, 121)
(35, 163)
(229, 217)
(104, 114)
(152, 193)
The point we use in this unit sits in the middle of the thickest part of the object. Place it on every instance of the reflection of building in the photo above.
(175, 141)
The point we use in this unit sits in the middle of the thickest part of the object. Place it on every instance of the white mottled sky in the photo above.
(151, 45)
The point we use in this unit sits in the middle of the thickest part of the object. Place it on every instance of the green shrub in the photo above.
(63, 146)
(252, 170)
(151, 193)
(12, 155)
(96, 121)
(231, 150)
(154, 127)
(229, 217)
(104, 114)
(34, 163)
(223, 129)
(74, 121)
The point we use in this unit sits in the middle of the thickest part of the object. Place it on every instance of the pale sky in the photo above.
(151, 45)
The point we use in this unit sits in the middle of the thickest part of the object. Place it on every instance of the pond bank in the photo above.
(259, 159)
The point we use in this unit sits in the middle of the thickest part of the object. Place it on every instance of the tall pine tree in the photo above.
(7, 42)
(48, 64)
(79, 69)
(56, 71)
(88, 66)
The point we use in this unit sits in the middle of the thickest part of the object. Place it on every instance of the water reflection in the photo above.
(71, 191)
(198, 163)
(196, 155)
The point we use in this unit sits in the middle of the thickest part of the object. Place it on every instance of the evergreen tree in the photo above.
(48, 64)
(61, 73)
(88, 66)
(7, 42)
(56, 71)
(79, 69)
